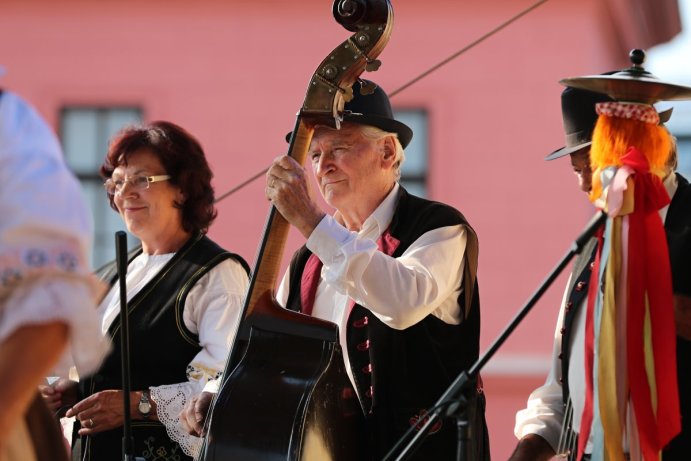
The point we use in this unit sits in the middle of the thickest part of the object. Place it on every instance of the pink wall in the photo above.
(234, 73)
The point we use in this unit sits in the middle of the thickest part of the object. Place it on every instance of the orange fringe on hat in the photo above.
(613, 136)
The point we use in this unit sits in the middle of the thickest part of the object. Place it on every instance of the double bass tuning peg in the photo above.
(372, 65)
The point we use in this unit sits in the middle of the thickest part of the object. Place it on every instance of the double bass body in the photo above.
(289, 397)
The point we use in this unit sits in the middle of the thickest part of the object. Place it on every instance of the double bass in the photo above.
(285, 394)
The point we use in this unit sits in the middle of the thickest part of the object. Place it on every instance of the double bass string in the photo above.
(424, 74)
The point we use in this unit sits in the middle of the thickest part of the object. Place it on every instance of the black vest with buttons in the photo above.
(578, 290)
(400, 373)
(678, 230)
(161, 346)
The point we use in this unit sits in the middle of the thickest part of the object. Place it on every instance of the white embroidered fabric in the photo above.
(45, 237)
(66, 298)
(170, 401)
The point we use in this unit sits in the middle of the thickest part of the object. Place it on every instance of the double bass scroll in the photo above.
(285, 393)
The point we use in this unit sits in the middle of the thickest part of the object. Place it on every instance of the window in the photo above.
(414, 170)
(680, 126)
(85, 133)
(684, 155)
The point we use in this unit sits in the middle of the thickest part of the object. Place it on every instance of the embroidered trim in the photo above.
(170, 401)
(421, 419)
(634, 111)
(199, 372)
(159, 452)
(23, 263)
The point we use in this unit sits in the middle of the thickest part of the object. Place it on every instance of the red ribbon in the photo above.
(593, 287)
(649, 275)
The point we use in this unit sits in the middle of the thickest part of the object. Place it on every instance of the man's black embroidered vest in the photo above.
(578, 290)
(400, 373)
(161, 346)
(678, 230)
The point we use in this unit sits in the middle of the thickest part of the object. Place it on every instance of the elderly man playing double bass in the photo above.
(396, 273)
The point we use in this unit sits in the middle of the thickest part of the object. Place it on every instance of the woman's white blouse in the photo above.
(212, 311)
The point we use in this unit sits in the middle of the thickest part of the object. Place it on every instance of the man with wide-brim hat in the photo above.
(579, 117)
(541, 426)
(630, 361)
(395, 272)
(553, 417)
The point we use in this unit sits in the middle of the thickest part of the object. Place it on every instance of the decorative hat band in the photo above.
(631, 110)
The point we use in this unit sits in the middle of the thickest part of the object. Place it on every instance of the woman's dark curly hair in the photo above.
(183, 159)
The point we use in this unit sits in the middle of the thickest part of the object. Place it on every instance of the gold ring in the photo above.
(91, 423)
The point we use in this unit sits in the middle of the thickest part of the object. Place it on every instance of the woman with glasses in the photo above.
(184, 296)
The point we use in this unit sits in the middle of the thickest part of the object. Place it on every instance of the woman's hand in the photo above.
(100, 412)
(194, 413)
(60, 395)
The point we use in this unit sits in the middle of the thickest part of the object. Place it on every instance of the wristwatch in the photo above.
(144, 406)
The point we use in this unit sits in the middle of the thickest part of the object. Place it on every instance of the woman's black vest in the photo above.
(161, 346)
(400, 373)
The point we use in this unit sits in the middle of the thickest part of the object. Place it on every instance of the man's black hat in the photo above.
(579, 117)
(374, 109)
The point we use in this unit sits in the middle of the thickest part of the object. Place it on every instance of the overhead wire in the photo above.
(424, 74)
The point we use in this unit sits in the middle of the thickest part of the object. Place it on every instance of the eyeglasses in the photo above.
(115, 186)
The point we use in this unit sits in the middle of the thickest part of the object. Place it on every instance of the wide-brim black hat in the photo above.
(374, 109)
(579, 118)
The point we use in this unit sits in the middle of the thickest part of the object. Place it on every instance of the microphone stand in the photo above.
(121, 261)
(454, 402)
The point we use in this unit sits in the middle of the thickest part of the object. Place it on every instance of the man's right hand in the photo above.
(194, 413)
(532, 447)
(288, 190)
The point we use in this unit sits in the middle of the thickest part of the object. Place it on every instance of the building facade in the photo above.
(234, 73)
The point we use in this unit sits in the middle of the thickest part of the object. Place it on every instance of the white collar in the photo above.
(381, 217)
